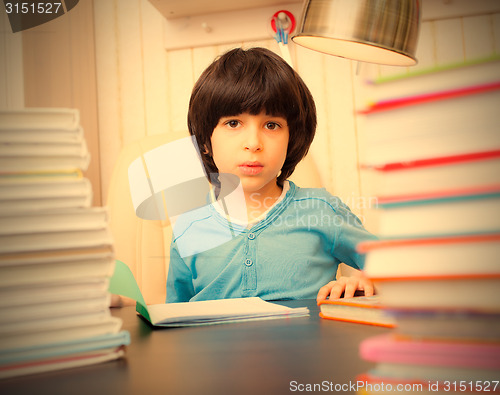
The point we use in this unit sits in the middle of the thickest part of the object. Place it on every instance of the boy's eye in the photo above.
(233, 123)
(272, 125)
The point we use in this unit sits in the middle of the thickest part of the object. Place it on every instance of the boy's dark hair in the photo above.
(252, 81)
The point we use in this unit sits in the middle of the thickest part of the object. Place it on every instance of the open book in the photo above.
(217, 311)
(200, 312)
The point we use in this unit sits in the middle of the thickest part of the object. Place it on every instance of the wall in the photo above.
(53, 65)
(144, 90)
(141, 89)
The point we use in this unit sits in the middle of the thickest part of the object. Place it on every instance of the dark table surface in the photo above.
(280, 356)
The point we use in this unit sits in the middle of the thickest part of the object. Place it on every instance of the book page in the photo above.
(214, 309)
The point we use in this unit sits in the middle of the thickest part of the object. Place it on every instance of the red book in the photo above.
(440, 124)
(448, 174)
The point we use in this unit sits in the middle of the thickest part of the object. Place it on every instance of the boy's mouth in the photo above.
(251, 168)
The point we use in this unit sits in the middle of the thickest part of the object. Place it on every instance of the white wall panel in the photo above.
(426, 48)
(478, 36)
(4, 95)
(11, 66)
(341, 131)
(202, 58)
(131, 67)
(311, 67)
(495, 21)
(108, 88)
(448, 38)
(155, 71)
(180, 83)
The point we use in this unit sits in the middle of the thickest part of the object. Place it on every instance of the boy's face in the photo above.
(254, 148)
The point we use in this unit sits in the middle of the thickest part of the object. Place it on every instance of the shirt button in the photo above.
(248, 262)
(251, 236)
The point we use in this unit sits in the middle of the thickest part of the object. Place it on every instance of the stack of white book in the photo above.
(56, 252)
(433, 150)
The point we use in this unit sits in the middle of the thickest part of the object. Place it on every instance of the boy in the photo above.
(253, 117)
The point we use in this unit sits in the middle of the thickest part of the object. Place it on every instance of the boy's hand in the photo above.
(121, 301)
(346, 285)
(116, 301)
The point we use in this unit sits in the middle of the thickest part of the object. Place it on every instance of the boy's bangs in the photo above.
(253, 94)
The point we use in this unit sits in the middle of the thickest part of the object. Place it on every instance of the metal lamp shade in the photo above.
(375, 31)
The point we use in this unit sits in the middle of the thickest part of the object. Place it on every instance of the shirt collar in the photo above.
(217, 205)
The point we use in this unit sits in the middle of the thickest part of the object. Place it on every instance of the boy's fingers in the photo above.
(324, 292)
(346, 285)
(351, 287)
(368, 288)
(338, 288)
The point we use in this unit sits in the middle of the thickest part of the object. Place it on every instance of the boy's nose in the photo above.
(253, 142)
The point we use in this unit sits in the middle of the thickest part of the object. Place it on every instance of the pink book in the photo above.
(390, 349)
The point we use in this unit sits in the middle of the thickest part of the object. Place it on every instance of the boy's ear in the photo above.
(205, 150)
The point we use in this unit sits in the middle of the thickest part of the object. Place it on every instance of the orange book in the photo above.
(359, 309)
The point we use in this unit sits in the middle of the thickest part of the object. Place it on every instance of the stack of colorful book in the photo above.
(56, 253)
(433, 161)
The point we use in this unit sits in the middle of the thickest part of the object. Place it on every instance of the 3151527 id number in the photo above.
(34, 7)
(472, 386)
